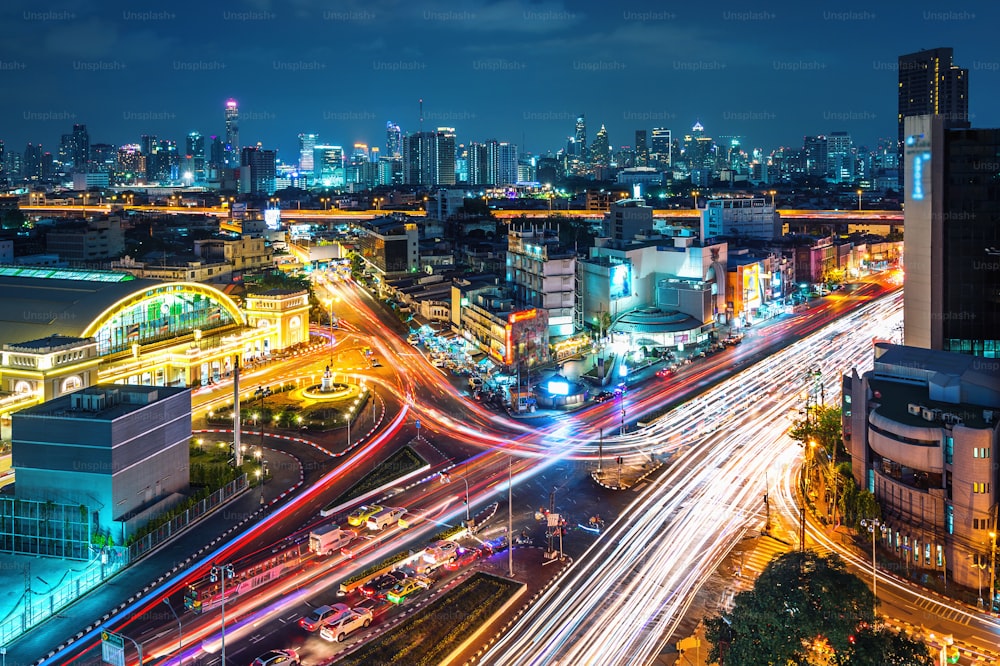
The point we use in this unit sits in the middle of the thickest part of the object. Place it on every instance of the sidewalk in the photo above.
(169, 561)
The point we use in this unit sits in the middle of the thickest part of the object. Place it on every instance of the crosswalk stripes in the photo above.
(750, 561)
(945, 612)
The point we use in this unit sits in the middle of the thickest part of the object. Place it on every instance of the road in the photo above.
(622, 600)
(409, 388)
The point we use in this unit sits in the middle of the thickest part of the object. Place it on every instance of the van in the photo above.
(384, 518)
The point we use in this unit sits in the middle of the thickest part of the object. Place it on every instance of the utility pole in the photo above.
(236, 411)
(510, 516)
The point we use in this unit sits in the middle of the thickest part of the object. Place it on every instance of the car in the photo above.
(377, 587)
(361, 515)
(440, 551)
(376, 363)
(354, 619)
(277, 658)
(495, 545)
(322, 616)
(464, 558)
(664, 372)
(403, 589)
(603, 395)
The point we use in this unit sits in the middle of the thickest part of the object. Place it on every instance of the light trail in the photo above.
(623, 599)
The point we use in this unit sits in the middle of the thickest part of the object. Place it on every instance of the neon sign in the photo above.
(918, 172)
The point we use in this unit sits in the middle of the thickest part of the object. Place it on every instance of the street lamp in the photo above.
(772, 193)
(874, 526)
(859, 199)
(221, 573)
(350, 413)
(694, 195)
(180, 630)
(993, 568)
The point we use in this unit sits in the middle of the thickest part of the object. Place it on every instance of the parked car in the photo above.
(603, 395)
(322, 616)
(277, 658)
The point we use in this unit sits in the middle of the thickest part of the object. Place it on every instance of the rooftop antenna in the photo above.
(421, 114)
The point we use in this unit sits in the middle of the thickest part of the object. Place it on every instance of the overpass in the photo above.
(888, 216)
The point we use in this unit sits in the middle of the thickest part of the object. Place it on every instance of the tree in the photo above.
(808, 609)
(802, 601)
(823, 425)
(883, 647)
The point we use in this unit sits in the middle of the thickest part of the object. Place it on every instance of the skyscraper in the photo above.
(483, 163)
(307, 146)
(194, 151)
(601, 148)
(661, 155)
(839, 157)
(580, 136)
(641, 149)
(930, 83)
(81, 147)
(951, 237)
(232, 142)
(816, 156)
(31, 167)
(429, 157)
(393, 140)
(257, 170)
(328, 165)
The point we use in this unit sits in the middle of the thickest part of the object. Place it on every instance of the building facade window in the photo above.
(980, 488)
(980, 453)
(949, 518)
(949, 449)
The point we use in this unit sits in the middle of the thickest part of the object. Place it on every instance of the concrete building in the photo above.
(389, 246)
(246, 253)
(542, 274)
(922, 431)
(751, 218)
(628, 218)
(119, 450)
(88, 241)
(6, 251)
(951, 234)
(672, 275)
(512, 336)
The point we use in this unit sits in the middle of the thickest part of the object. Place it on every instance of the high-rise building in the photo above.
(601, 149)
(641, 149)
(257, 170)
(482, 163)
(31, 167)
(816, 160)
(445, 172)
(580, 136)
(328, 165)
(839, 157)
(307, 147)
(131, 166)
(951, 237)
(81, 147)
(103, 157)
(506, 163)
(429, 157)
(216, 157)
(661, 155)
(931, 84)
(232, 141)
(194, 151)
(393, 140)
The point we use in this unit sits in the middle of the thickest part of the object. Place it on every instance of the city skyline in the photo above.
(344, 73)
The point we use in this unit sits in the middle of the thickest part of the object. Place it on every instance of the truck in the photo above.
(385, 518)
(329, 539)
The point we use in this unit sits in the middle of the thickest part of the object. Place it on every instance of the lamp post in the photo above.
(262, 392)
(859, 199)
(329, 306)
(772, 193)
(347, 417)
(993, 568)
(874, 526)
(468, 509)
(180, 630)
(694, 195)
(510, 516)
(221, 573)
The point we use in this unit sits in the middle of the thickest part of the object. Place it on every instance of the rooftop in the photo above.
(894, 398)
(103, 402)
(51, 343)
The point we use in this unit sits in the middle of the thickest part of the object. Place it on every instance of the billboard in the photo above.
(751, 286)
(621, 281)
(272, 218)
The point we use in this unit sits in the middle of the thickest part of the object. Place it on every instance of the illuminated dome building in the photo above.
(67, 329)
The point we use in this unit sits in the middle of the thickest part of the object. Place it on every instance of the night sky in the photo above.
(511, 70)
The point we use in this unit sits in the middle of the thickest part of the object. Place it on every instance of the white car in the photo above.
(354, 619)
(440, 552)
